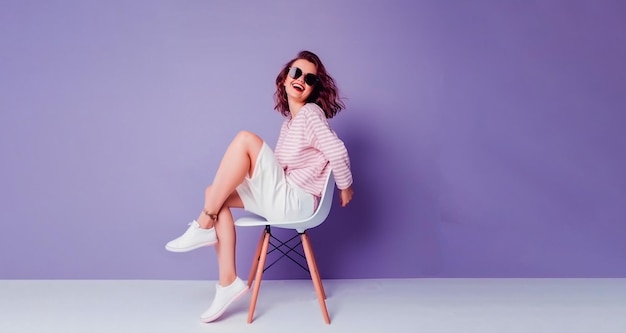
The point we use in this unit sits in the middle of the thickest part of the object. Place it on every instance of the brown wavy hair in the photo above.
(325, 92)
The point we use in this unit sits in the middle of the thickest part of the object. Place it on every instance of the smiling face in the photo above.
(297, 89)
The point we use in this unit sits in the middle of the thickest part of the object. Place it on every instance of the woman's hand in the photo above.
(345, 196)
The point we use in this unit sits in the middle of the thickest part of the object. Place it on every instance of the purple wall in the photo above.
(484, 136)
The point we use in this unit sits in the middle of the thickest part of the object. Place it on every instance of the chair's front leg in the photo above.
(255, 259)
(259, 274)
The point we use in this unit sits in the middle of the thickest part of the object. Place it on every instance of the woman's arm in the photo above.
(328, 143)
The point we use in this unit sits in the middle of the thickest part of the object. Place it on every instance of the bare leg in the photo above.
(238, 161)
(225, 246)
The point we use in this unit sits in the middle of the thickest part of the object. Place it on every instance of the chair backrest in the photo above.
(320, 214)
(326, 201)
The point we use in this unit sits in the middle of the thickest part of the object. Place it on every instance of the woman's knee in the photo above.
(232, 201)
(248, 138)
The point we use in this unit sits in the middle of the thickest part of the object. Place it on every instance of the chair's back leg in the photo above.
(317, 282)
(317, 270)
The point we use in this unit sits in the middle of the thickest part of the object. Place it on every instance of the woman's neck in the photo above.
(294, 107)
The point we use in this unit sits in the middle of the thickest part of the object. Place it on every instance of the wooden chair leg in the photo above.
(317, 270)
(317, 283)
(255, 259)
(259, 275)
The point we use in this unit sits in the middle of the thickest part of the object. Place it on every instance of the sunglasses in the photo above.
(309, 79)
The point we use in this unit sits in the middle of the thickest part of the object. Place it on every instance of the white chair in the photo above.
(260, 256)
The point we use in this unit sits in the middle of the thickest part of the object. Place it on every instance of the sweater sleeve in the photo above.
(281, 138)
(324, 139)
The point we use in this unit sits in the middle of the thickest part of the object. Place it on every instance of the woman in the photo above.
(282, 185)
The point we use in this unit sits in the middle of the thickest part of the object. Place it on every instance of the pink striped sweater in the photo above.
(307, 147)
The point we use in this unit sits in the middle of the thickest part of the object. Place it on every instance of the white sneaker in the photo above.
(195, 237)
(224, 296)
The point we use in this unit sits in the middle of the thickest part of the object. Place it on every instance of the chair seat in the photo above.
(251, 221)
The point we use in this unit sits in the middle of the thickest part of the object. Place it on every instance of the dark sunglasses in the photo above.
(309, 79)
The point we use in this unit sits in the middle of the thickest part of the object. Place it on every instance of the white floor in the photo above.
(411, 305)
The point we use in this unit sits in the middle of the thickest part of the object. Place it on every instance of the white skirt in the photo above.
(268, 193)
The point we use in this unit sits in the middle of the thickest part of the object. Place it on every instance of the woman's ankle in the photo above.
(206, 220)
(227, 281)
